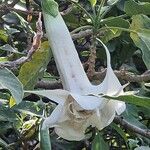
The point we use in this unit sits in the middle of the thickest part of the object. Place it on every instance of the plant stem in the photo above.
(97, 19)
(81, 28)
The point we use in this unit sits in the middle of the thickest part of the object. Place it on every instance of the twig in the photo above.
(82, 34)
(86, 33)
(127, 125)
(34, 47)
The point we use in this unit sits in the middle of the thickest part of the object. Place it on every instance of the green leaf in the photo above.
(50, 7)
(4, 126)
(9, 48)
(133, 99)
(116, 22)
(99, 143)
(9, 81)
(45, 143)
(31, 71)
(31, 108)
(3, 35)
(141, 25)
(7, 114)
(120, 131)
(3, 143)
(129, 117)
(133, 8)
(93, 2)
(23, 23)
(113, 33)
(110, 34)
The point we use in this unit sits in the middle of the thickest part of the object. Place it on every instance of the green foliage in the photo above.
(133, 99)
(45, 142)
(141, 24)
(134, 8)
(9, 81)
(99, 143)
(9, 48)
(3, 35)
(31, 71)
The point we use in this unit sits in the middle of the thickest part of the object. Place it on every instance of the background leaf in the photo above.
(93, 2)
(133, 99)
(141, 24)
(45, 142)
(31, 71)
(133, 8)
(9, 81)
(99, 143)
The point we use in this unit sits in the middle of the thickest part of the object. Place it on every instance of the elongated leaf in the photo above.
(99, 143)
(3, 143)
(120, 131)
(45, 143)
(133, 8)
(9, 81)
(31, 71)
(141, 24)
(133, 99)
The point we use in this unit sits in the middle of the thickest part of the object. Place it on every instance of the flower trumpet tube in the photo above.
(80, 104)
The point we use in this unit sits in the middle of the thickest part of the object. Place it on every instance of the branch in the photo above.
(35, 45)
(49, 85)
(82, 34)
(125, 124)
(124, 75)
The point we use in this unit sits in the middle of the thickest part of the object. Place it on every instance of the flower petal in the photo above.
(53, 118)
(71, 131)
(105, 116)
(59, 96)
(120, 107)
(66, 57)
(110, 85)
(89, 102)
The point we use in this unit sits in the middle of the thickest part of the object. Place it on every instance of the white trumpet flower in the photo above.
(80, 104)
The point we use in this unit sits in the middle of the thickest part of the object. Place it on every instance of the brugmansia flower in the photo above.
(80, 104)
